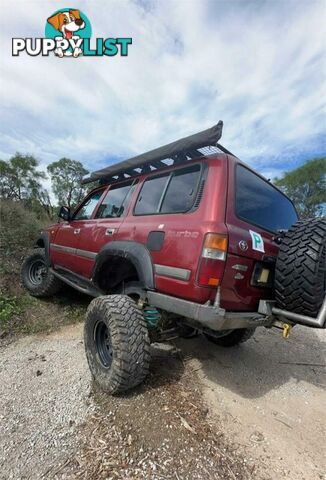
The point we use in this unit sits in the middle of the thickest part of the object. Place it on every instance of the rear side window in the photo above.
(116, 201)
(171, 193)
(180, 194)
(259, 203)
(149, 198)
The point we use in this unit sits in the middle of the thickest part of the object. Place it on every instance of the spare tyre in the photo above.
(300, 268)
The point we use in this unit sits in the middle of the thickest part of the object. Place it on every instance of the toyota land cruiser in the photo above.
(187, 237)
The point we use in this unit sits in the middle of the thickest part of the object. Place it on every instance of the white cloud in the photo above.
(259, 66)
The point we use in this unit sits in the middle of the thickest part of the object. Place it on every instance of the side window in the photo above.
(150, 195)
(88, 207)
(181, 192)
(171, 193)
(116, 201)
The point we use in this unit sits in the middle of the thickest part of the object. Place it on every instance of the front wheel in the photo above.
(230, 338)
(37, 278)
(116, 343)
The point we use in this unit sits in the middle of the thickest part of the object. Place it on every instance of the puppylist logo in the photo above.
(68, 34)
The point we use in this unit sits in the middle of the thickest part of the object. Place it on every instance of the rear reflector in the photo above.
(212, 264)
(210, 272)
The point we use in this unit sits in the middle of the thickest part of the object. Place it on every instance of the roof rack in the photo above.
(180, 151)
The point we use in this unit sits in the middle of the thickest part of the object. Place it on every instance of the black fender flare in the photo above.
(137, 253)
(43, 241)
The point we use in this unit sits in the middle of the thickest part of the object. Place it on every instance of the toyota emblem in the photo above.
(243, 245)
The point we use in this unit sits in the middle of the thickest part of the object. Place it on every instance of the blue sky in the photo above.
(257, 65)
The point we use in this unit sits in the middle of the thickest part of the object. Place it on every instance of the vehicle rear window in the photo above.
(116, 201)
(261, 204)
(171, 193)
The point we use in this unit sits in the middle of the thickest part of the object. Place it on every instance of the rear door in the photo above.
(166, 219)
(256, 211)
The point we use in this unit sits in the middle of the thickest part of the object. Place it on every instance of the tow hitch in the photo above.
(285, 327)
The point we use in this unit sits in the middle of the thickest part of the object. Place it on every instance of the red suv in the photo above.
(188, 237)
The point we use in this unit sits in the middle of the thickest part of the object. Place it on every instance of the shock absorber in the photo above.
(152, 316)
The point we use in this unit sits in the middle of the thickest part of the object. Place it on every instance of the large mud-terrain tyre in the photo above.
(300, 268)
(231, 338)
(117, 344)
(36, 277)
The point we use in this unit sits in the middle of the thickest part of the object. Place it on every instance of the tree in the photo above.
(306, 186)
(20, 180)
(66, 176)
(20, 177)
(41, 200)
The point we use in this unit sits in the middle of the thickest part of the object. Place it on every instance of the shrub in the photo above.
(9, 307)
(19, 227)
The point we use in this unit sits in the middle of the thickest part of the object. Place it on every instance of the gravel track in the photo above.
(44, 398)
(253, 411)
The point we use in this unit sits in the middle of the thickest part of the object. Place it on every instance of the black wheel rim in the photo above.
(103, 344)
(37, 272)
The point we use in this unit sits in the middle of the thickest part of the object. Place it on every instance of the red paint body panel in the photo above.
(183, 242)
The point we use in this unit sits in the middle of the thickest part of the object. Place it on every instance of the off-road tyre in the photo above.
(300, 268)
(233, 338)
(125, 362)
(44, 284)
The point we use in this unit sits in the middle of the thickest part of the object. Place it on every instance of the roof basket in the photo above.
(188, 148)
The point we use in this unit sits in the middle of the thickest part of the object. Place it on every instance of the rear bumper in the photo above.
(216, 318)
(207, 315)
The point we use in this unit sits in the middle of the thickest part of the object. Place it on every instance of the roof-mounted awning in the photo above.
(178, 152)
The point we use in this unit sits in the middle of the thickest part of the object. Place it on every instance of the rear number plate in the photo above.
(263, 275)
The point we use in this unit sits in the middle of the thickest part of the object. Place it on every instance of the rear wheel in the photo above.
(116, 343)
(300, 268)
(36, 276)
(230, 338)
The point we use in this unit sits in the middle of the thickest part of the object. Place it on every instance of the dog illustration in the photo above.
(67, 23)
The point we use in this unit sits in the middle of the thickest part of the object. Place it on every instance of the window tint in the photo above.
(150, 195)
(259, 203)
(116, 201)
(181, 191)
(88, 207)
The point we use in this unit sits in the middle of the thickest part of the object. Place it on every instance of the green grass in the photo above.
(9, 307)
(12, 307)
(23, 314)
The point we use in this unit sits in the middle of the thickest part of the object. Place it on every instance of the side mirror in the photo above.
(64, 213)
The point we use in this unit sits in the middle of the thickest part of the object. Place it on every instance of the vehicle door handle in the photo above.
(76, 231)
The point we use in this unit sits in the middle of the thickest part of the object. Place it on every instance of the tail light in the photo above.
(212, 261)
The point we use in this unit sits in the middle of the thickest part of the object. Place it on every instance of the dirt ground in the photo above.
(270, 396)
(254, 411)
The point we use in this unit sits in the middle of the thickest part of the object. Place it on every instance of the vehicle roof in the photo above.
(177, 152)
(199, 146)
(211, 156)
(165, 167)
